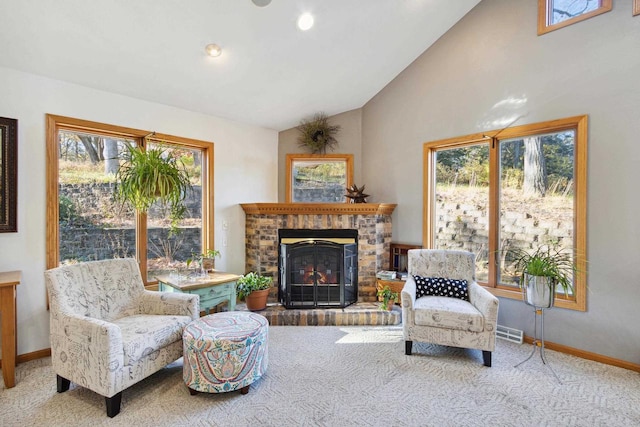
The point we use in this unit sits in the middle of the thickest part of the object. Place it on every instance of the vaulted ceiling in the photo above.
(270, 73)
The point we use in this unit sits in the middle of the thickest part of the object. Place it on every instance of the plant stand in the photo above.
(538, 342)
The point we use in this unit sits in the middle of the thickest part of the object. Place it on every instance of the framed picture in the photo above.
(8, 175)
(636, 7)
(318, 178)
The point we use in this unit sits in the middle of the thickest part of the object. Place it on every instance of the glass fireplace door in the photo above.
(313, 274)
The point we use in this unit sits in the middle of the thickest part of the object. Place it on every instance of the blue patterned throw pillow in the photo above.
(441, 287)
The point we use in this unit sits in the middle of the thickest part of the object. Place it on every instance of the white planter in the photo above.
(539, 291)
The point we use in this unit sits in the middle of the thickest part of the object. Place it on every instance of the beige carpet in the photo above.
(352, 376)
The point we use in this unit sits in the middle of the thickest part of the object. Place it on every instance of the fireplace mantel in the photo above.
(318, 208)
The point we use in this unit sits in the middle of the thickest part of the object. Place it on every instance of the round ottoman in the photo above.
(225, 352)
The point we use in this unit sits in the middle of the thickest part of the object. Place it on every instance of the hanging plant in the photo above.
(152, 176)
(317, 134)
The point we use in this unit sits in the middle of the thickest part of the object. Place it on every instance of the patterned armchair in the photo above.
(442, 319)
(107, 331)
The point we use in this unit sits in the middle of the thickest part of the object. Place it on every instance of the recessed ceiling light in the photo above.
(261, 3)
(213, 50)
(305, 21)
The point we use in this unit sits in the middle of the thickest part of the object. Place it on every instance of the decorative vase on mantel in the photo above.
(539, 291)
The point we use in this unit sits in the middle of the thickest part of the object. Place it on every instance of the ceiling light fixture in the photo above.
(213, 50)
(261, 3)
(305, 21)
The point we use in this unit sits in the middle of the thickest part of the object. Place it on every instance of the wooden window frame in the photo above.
(493, 138)
(292, 158)
(56, 123)
(545, 12)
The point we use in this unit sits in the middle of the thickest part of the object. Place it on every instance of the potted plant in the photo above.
(254, 289)
(152, 176)
(388, 298)
(542, 272)
(206, 259)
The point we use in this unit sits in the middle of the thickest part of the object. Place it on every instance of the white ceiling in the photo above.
(270, 74)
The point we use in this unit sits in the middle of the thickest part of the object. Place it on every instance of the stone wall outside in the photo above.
(96, 229)
(463, 226)
(89, 243)
(327, 193)
(96, 198)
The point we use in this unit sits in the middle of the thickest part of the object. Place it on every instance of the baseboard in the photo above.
(587, 355)
(21, 358)
(550, 345)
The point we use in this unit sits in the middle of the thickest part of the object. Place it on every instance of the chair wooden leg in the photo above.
(62, 383)
(245, 389)
(486, 356)
(113, 404)
(408, 346)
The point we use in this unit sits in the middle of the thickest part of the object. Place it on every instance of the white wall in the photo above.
(245, 171)
(492, 67)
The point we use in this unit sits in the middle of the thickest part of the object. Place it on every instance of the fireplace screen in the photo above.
(318, 273)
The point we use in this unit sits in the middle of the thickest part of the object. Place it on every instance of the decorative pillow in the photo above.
(441, 287)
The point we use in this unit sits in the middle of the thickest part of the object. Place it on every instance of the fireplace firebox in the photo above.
(317, 268)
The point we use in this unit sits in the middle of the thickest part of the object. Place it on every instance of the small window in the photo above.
(554, 14)
(318, 178)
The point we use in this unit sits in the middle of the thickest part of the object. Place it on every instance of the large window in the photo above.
(554, 14)
(84, 221)
(462, 201)
(504, 191)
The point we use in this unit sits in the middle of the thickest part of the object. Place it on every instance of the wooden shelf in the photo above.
(318, 208)
(398, 256)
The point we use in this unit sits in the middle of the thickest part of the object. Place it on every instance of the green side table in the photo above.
(215, 288)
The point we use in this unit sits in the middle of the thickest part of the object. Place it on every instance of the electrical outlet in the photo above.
(225, 225)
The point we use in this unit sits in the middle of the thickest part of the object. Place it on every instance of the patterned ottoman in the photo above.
(225, 352)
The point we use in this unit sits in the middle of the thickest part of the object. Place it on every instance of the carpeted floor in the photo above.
(352, 376)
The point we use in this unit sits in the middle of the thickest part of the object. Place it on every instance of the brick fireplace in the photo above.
(372, 220)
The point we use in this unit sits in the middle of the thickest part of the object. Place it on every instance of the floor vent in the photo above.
(509, 334)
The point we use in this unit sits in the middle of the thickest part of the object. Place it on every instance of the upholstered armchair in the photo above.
(107, 331)
(447, 320)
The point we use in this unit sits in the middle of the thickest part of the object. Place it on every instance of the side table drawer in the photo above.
(210, 294)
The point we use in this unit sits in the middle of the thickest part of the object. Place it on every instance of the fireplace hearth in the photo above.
(317, 268)
(372, 221)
